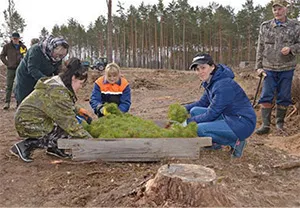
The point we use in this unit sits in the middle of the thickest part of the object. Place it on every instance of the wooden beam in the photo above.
(134, 149)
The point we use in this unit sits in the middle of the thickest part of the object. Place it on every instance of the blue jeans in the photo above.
(279, 83)
(218, 130)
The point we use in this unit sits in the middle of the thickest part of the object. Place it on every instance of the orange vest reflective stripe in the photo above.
(113, 89)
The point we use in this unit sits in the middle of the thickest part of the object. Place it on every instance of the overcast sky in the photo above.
(42, 13)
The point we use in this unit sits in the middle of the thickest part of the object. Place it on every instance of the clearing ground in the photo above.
(254, 180)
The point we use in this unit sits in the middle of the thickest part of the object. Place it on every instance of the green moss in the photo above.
(112, 108)
(129, 126)
(125, 125)
(177, 113)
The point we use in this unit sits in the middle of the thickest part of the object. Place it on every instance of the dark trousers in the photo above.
(279, 84)
(10, 77)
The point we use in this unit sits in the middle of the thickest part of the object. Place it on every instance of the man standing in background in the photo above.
(278, 44)
(11, 56)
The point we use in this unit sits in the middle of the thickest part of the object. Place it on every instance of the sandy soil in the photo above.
(254, 180)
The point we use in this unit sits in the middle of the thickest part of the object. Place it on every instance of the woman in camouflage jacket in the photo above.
(48, 113)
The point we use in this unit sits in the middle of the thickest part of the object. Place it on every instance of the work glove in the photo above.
(183, 124)
(80, 119)
(101, 111)
(84, 114)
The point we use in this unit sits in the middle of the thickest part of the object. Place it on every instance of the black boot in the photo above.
(280, 115)
(24, 148)
(57, 152)
(266, 119)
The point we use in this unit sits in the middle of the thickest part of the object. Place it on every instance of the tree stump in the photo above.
(186, 184)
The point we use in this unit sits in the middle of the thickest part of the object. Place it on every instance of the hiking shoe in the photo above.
(57, 152)
(6, 106)
(239, 149)
(22, 150)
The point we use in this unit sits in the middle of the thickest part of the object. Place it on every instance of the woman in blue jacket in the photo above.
(224, 111)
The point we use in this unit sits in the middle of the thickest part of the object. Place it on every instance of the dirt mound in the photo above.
(144, 83)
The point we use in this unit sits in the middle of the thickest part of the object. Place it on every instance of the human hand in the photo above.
(85, 115)
(286, 50)
(84, 112)
(183, 124)
(261, 72)
(102, 111)
(81, 118)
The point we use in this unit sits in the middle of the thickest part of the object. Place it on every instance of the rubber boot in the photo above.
(280, 115)
(58, 152)
(24, 148)
(266, 119)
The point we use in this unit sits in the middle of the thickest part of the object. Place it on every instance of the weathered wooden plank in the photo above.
(134, 149)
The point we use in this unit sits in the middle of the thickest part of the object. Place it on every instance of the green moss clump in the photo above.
(124, 125)
(129, 126)
(177, 113)
(112, 108)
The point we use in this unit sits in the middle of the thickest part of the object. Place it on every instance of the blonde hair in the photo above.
(112, 68)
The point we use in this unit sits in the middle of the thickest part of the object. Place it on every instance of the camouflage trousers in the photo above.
(50, 140)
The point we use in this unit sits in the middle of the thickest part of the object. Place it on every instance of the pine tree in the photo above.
(44, 33)
(13, 20)
(109, 31)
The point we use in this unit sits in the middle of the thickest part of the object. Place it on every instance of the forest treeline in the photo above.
(168, 36)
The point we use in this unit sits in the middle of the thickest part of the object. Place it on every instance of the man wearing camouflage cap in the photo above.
(278, 44)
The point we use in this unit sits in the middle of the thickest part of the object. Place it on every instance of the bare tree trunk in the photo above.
(131, 41)
(210, 41)
(161, 65)
(116, 48)
(101, 46)
(143, 45)
(109, 32)
(249, 44)
(135, 45)
(220, 44)
(173, 47)
(156, 46)
(229, 58)
(124, 48)
(183, 46)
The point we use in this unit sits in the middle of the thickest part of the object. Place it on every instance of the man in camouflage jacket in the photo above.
(278, 44)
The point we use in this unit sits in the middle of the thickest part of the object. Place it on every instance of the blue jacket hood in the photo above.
(221, 72)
